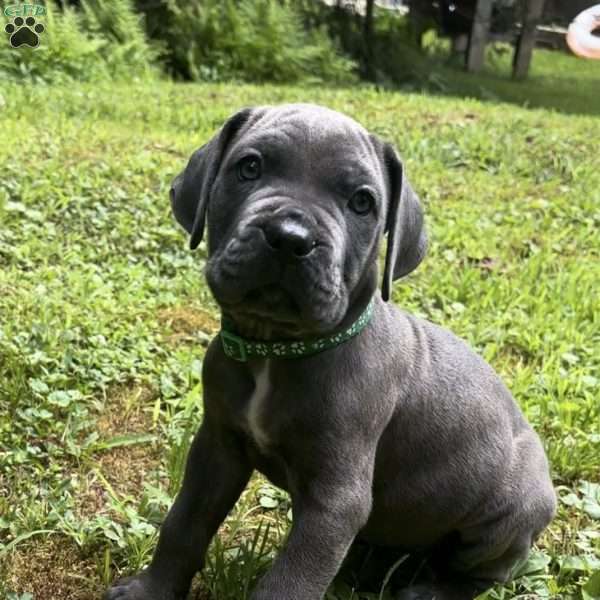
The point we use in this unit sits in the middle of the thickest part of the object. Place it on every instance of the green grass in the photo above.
(104, 316)
(557, 81)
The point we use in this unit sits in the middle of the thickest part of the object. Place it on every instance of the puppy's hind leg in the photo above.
(462, 584)
(485, 554)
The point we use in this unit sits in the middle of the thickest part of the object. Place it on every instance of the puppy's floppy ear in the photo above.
(190, 190)
(407, 239)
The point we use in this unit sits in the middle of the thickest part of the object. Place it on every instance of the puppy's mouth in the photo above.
(266, 312)
(272, 301)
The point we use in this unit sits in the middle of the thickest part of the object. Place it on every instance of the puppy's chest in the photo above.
(259, 426)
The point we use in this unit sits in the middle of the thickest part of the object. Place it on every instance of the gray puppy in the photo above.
(383, 427)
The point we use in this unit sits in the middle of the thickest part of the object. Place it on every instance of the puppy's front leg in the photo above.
(326, 521)
(215, 475)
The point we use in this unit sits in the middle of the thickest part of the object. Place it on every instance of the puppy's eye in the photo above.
(362, 202)
(249, 168)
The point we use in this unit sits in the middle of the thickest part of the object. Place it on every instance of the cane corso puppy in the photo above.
(383, 427)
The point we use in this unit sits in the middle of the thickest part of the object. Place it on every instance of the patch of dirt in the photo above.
(51, 568)
(511, 357)
(184, 324)
(126, 410)
(125, 469)
(455, 118)
(126, 413)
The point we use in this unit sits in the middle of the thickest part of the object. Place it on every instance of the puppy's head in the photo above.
(296, 199)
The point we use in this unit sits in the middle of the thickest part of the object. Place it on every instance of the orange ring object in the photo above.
(580, 38)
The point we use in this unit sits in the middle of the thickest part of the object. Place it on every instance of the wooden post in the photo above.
(526, 42)
(368, 39)
(479, 35)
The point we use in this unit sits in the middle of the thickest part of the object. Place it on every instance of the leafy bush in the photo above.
(394, 57)
(251, 40)
(105, 39)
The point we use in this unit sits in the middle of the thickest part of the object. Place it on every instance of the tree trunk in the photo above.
(368, 39)
(479, 35)
(526, 42)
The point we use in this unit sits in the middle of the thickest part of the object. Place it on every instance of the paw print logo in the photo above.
(24, 32)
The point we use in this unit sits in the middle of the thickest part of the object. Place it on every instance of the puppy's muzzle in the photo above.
(289, 235)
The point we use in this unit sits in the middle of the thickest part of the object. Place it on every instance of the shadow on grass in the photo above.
(557, 81)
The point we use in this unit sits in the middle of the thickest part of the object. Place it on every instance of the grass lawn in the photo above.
(104, 316)
(556, 81)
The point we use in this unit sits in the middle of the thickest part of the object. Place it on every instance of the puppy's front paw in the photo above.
(417, 592)
(139, 587)
(456, 591)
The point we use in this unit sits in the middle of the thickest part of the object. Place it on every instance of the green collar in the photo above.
(241, 349)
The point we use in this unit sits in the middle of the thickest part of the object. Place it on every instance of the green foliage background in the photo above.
(249, 40)
(103, 40)
(257, 40)
(282, 41)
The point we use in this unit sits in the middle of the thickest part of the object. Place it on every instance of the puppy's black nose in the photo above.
(289, 237)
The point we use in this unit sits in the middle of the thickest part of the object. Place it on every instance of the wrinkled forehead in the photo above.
(317, 136)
